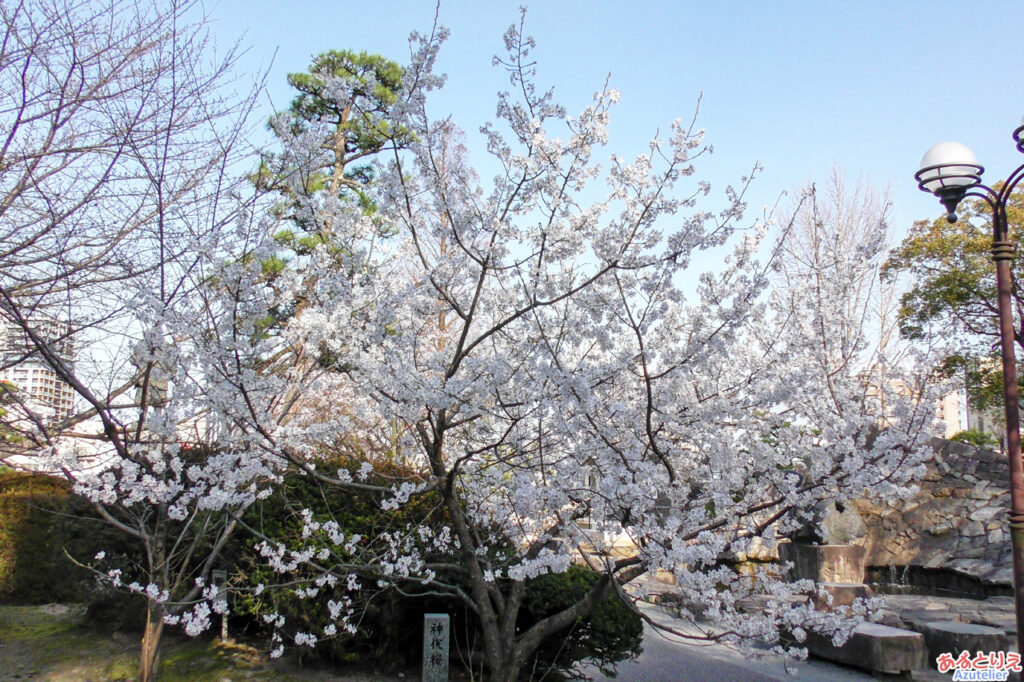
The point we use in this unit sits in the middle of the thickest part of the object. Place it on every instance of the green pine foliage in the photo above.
(374, 83)
(346, 97)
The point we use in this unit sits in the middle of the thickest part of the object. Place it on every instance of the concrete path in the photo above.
(665, 660)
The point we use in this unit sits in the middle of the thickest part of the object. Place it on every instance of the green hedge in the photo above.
(40, 519)
(390, 622)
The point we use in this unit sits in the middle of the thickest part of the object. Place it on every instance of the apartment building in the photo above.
(22, 366)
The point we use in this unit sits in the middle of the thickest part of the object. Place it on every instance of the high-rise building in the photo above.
(21, 365)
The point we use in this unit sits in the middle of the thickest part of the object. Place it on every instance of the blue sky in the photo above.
(798, 86)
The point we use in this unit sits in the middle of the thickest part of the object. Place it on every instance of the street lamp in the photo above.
(950, 172)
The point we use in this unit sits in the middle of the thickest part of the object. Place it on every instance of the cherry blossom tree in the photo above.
(528, 351)
(121, 129)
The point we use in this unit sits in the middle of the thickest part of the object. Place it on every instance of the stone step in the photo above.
(1000, 620)
(953, 637)
(759, 603)
(874, 647)
(843, 594)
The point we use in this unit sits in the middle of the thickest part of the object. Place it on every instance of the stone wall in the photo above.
(957, 522)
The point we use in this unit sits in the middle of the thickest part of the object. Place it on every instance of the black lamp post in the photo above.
(950, 172)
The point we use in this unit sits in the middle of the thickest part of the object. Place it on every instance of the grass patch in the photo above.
(196, 660)
(49, 643)
(31, 623)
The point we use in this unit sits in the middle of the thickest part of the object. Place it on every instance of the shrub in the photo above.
(976, 438)
(611, 633)
(388, 632)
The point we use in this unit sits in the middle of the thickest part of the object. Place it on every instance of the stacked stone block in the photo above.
(957, 521)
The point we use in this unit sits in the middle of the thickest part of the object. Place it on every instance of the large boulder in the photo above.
(842, 525)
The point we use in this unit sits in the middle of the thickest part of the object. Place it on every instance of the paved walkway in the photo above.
(665, 659)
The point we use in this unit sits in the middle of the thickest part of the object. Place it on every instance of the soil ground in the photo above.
(49, 643)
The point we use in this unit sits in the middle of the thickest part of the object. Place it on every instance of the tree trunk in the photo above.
(509, 671)
(151, 640)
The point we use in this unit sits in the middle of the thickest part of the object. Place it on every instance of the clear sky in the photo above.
(797, 86)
